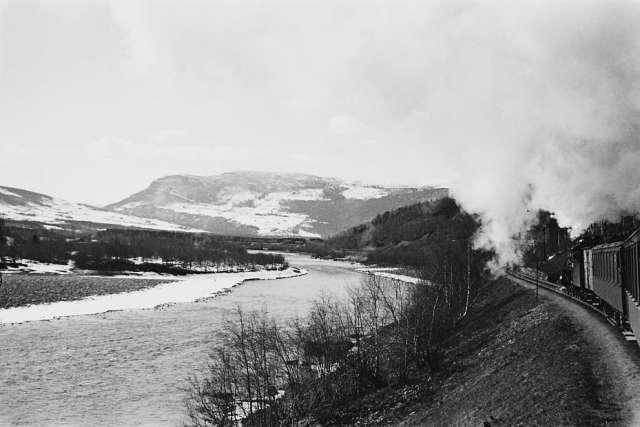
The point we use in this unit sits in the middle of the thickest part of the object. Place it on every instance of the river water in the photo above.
(129, 367)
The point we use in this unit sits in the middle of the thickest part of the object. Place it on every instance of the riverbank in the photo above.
(19, 290)
(149, 268)
(393, 273)
(50, 297)
(125, 367)
(514, 361)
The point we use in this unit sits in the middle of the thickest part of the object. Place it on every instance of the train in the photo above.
(611, 273)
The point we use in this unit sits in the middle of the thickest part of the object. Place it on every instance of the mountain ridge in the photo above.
(268, 203)
(242, 203)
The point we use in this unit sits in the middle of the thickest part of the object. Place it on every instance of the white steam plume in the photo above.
(538, 107)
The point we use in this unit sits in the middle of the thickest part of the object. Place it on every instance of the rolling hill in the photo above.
(410, 234)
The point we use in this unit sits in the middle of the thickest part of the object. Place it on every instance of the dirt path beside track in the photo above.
(615, 358)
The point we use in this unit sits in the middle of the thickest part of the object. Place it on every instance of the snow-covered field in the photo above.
(187, 289)
(262, 211)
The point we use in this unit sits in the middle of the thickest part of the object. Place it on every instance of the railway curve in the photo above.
(616, 355)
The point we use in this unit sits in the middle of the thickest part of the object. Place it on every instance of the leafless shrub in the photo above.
(266, 373)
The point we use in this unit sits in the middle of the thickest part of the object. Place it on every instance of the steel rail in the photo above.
(557, 289)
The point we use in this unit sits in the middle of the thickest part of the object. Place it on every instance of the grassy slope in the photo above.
(514, 362)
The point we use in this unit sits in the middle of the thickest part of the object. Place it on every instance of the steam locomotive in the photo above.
(611, 271)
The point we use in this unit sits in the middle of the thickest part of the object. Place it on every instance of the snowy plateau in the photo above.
(235, 203)
(268, 204)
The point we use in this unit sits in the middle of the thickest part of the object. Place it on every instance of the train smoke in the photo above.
(538, 108)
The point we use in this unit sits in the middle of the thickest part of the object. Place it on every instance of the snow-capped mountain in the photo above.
(267, 204)
(29, 207)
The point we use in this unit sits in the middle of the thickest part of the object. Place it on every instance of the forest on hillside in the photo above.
(406, 236)
(409, 235)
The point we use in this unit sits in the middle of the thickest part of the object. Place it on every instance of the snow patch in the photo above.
(384, 272)
(189, 289)
(8, 193)
(52, 227)
(362, 192)
(180, 196)
(35, 267)
(266, 213)
(304, 233)
(130, 205)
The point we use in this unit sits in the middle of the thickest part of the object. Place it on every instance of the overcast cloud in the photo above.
(98, 98)
(516, 105)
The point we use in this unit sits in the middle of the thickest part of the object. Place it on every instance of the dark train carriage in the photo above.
(587, 260)
(581, 272)
(577, 268)
(612, 272)
(607, 275)
(631, 278)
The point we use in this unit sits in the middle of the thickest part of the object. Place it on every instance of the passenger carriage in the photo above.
(612, 272)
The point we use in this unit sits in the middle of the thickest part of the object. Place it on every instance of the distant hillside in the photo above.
(268, 204)
(408, 234)
(22, 206)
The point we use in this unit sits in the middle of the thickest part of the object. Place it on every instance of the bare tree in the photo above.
(274, 374)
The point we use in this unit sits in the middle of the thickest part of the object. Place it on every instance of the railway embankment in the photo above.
(520, 360)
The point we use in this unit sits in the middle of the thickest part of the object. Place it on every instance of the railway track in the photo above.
(591, 304)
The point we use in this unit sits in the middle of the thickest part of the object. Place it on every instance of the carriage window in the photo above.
(634, 263)
(611, 267)
(611, 264)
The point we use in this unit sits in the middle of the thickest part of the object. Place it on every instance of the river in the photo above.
(128, 367)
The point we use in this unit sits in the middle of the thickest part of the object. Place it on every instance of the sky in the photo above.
(98, 98)
(515, 105)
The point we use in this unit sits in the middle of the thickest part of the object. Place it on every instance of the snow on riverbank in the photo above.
(185, 289)
(386, 272)
(35, 267)
(27, 266)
